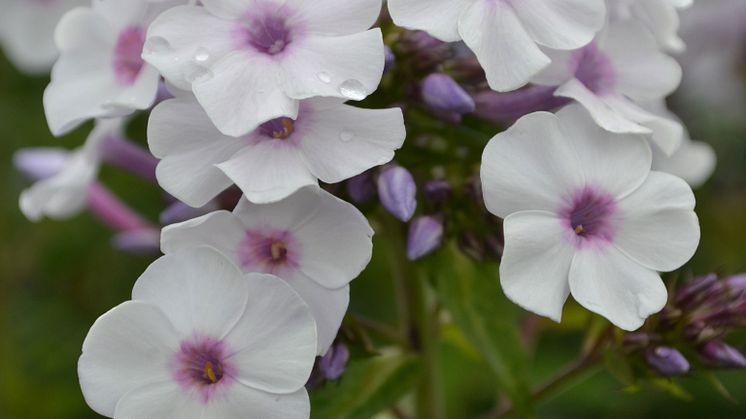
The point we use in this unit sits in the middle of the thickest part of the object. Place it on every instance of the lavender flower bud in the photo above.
(333, 364)
(179, 211)
(689, 294)
(361, 188)
(737, 284)
(425, 235)
(723, 355)
(390, 59)
(667, 361)
(443, 95)
(40, 163)
(436, 191)
(397, 191)
(145, 242)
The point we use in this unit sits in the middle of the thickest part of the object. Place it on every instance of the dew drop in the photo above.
(353, 89)
(157, 45)
(196, 73)
(201, 55)
(324, 77)
(346, 136)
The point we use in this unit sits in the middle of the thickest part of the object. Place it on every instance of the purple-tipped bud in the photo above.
(666, 361)
(436, 191)
(390, 58)
(398, 192)
(737, 283)
(443, 95)
(638, 340)
(721, 354)
(361, 188)
(425, 235)
(40, 163)
(691, 292)
(510, 106)
(333, 364)
(138, 242)
(179, 211)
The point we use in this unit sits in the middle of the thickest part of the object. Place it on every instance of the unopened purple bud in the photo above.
(361, 188)
(442, 94)
(179, 211)
(667, 361)
(425, 235)
(398, 192)
(737, 283)
(436, 191)
(692, 290)
(638, 340)
(390, 59)
(138, 242)
(333, 364)
(723, 355)
(40, 163)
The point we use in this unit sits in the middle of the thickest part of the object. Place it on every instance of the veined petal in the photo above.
(350, 16)
(561, 24)
(244, 401)
(439, 18)
(220, 230)
(157, 400)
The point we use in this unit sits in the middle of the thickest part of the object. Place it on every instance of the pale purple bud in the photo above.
(667, 361)
(689, 294)
(390, 59)
(510, 106)
(637, 340)
(138, 242)
(443, 95)
(333, 364)
(179, 211)
(723, 355)
(425, 235)
(361, 188)
(398, 192)
(436, 191)
(40, 163)
(129, 156)
(737, 283)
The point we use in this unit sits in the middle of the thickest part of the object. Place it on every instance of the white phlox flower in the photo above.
(100, 72)
(199, 339)
(314, 241)
(506, 35)
(249, 61)
(661, 17)
(327, 140)
(611, 76)
(27, 31)
(62, 191)
(585, 215)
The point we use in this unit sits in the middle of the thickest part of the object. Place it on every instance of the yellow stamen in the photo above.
(210, 372)
(288, 127)
(579, 229)
(278, 250)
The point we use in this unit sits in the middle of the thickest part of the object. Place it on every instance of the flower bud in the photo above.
(40, 163)
(144, 242)
(425, 235)
(397, 191)
(443, 95)
(179, 211)
(737, 284)
(723, 355)
(667, 361)
(390, 59)
(690, 293)
(333, 364)
(436, 191)
(361, 188)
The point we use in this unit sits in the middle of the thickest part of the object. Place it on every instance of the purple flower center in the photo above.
(269, 251)
(127, 60)
(594, 69)
(278, 128)
(590, 215)
(200, 364)
(265, 29)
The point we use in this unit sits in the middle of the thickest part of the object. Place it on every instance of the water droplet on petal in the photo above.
(157, 45)
(346, 136)
(353, 89)
(201, 55)
(325, 77)
(194, 73)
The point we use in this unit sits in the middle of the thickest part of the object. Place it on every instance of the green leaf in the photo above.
(368, 386)
(473, 296)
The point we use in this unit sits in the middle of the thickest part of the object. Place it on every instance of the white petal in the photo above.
(198, 289)
(275, 339)
(159, 400)
(607, 282)
(505, 50)
(536, 262)
(616, 163)
(120, 14)
(241, 91)
(126, 348)
(268, 171)
(667, 133)
(220, 230)
(694, 162)
(341, 141)
(662, 19)
(561, 24)
(531, 166)
(246, 402)
(560, 71)
(439, 18)
(348, 67)
(185, 40)
(327, 306)
(348, 16)
(229, 9)
(659, 228)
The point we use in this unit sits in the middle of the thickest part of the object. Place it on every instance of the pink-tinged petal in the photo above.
(241, 91)
(561, 24)
(605, 281)
(348, 67)
(198, 289)
(505, 50)
(348, 17)
(536, 262)
(158, 400)
(660, 229)
(126, 348)
(275, 339)
(244, 401)
(439, 18)
(531, 166)
(342, 141)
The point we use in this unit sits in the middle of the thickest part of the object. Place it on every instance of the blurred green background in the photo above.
(57, 277)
